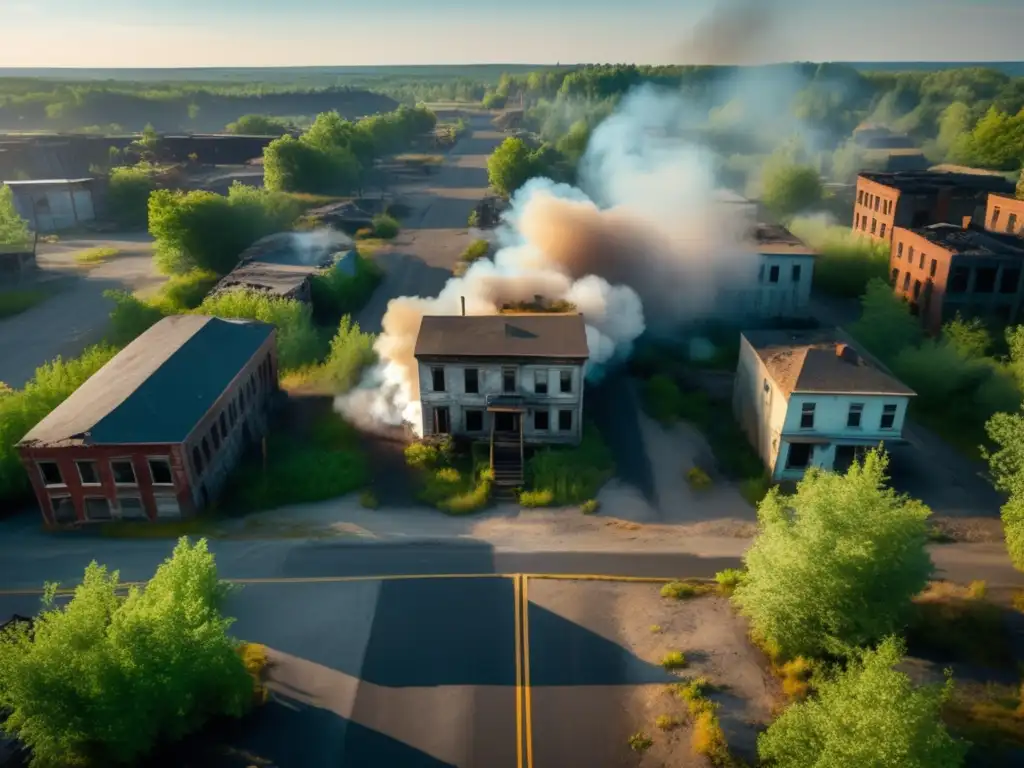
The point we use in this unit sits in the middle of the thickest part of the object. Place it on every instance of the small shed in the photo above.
(51, 205)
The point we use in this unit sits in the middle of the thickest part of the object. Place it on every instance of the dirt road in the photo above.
(434, 233)
(77, 314)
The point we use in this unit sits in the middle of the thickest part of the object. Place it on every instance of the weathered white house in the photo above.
(811, 399)
(50, 205)
(511, 380)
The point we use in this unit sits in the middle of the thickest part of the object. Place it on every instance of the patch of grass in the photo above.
(368, 500)
(14, 302)
(640, 742)
(698, 479)
(673, 660)
(571, 475)
(590, 506)
(96, 255)
(158, 529)
(413, 158)
(656, 629)
(681, 590)
(845, 262)
(950, 621)
(708, 739)
(307, 201)
(977, 590)
(728, 580)
(987, 715)
(385, 226)
(531, 499)
(667, 722)
(475, 251)
(694, 691)
(457, 485)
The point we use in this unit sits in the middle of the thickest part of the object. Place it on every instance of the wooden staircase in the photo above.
(507, 466)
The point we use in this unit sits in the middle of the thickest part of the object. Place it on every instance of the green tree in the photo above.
(954, 122)
(996, 141)
(258, 125)
(510, 166)
(1020, 186)
(494, 100)
(14, 232)
(128, 193)
(836, 564)
(886, 326)
(105, 678)
(574, 143)
(970, 337)
(193, 111)
(1006, 463)
(148, 144)
(293, 165)
(790, 189)
(869, 715)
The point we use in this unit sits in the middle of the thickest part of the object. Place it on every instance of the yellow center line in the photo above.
(526, 674)
(519, 678)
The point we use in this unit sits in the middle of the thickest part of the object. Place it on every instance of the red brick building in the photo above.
(1005, 213)
(154, 433)
(944, 269)
(914, 199)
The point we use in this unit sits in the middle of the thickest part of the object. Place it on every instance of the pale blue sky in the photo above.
(204, 33)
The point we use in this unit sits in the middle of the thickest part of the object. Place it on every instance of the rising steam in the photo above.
(647, 229)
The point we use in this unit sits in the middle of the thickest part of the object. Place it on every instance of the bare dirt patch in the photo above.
(615, 685)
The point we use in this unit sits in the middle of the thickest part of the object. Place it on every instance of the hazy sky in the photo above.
(199, 33)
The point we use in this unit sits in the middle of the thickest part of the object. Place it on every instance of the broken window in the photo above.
(540, 420)
(124, 472)
(87, 471)
(1008, 282)
(50, 471)
(97, 508)
(565, 379)
(773, 274)
(799, 456)
(160, 469)
(565, 421)
(985, 280)
(1011, 223)
(807, 416)
(958, 278)
(888, 416)
(442, 423)
(995, 217)
(437, 379)
(472, 376)
(197, 461)
(906, 281)
(508, 381)
(474, 420)
(899, 250)
(64, 509)
(882, 231)
(853, 416)
(540, 382)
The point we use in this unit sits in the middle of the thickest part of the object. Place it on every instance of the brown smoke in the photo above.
(737, 32)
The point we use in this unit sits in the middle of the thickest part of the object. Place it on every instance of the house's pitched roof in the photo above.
(527, 335)
(157, 388)
(822, 362)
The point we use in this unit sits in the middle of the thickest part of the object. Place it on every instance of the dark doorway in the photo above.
(506, 421)
(845, 456)
(799, 456)
(442, 422)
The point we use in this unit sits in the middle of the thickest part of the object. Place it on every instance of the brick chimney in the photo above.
(847, 353)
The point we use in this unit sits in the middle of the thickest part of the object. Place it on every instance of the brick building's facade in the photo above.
(1005, 214)
(914, 199)
(944, 269)
(154, 433)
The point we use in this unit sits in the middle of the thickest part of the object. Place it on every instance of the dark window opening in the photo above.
(87, 471)
(51, 473)
(920, 264)
(206, 451)
(895, 276)
(796, 273)
(474, 421)
(223, 425)
(882, 230)
(910, 255)
(97, 508)
(42, 205)
(64, 510)
(124, 472)
(565, 421)
(899, 251)
(888, 416)
(472, 377)
(565, 382)
(985, 280)
(856, 221)
(854, 415)
(215, 434)
(442, 423)
(437, 379)
(874, 225)
(197, 461)
(958, 277)
(540, 421)
(917, 289)
(807, 416)
(860, 196)
(933, 267)
(906, 281)
(877, 201)
(799, 456)
(995, 218)
(131, 506)
(773, 274)
(1011, 224)
(508, 381)
(1008, 282)
(540, 382)
(241, 400)
(920, 219)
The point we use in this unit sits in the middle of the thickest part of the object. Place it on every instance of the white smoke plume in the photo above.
(315, 246)
(647, 232)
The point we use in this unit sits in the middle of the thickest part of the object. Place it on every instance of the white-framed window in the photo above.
(123, 471)
(565, 382)
(167, 506)
(97, 508)
(854, 415)
(88, 472)
(50, 472)
(888, 420)
(807, 416)
(63, 509)
(540, 382)
(160, 470)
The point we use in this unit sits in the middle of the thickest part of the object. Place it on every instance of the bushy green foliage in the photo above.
(131, 317)
(14, 232)
(14, 301)
(22, 409)
(868, 715)
(258, 125)
(995, 141)
(185, 291)
(336, 294)
(293, 165)
(513, 163)
(845, 263)
(886, 326)
(662, 399)
(385, 226)
(325, 464)
(571, 475)
(836, 564)
(350, 353)
(128, 191)
(789, 189)
(164, 647)
(1006, 463)
(298, 343)
(203, 230)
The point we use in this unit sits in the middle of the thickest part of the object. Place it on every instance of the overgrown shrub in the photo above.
(128, 191)
(541, 498)
(164, 647)
(131, 317)
(350, 353)
(571, 475)
(663, 399)
(335, 293)
(729, 579)
(589, 507)
(385, 226)
(845, 263)
(673, 660)
(698, 479)
(835, 565)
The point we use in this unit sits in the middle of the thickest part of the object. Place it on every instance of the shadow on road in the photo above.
(612, 406)
(404, 275)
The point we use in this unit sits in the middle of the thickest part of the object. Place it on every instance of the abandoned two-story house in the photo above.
(811, 399)
(511, 380)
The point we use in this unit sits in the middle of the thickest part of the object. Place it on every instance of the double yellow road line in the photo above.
(524, 715)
